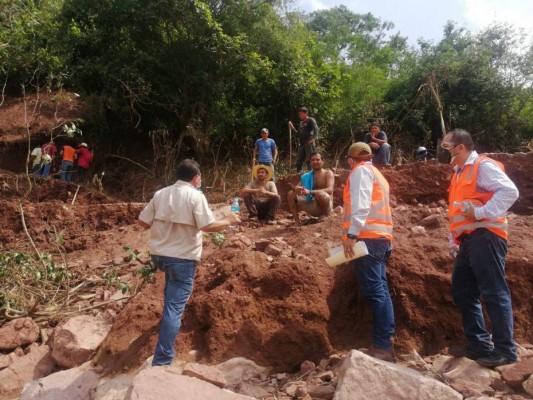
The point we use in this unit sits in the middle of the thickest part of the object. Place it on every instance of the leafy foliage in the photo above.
(209, 74)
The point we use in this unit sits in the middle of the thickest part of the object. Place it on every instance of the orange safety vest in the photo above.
(68, 153)
(464, 188)
(378, 223)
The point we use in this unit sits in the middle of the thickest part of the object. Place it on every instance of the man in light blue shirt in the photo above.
(265, 150)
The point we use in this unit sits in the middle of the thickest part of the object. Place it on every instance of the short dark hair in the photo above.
(304, 110)
(375, 124)
(460, 136)
(314, 153)
(187, 170)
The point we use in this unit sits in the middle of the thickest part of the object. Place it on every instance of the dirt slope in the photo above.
(277, 311)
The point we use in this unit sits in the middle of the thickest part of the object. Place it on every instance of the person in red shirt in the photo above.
(48, 151)
(69, 153)
(85, 157)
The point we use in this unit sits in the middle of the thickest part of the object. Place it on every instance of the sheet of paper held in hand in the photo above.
(336, 254)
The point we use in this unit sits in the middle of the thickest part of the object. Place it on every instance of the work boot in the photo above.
(382, 354)
(495, 360)
(466, 352)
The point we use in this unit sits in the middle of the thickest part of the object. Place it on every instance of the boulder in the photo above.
(239, 369)
(364, 377)
(36, 364)
(77, 339)
(160, 384)
(517, 373)
(257, 392)
(113, 388)
(528, 385)
(75, 383)
(18, 332)
(205, 373)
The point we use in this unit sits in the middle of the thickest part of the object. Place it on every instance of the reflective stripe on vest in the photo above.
(379, 220)
(464, 188)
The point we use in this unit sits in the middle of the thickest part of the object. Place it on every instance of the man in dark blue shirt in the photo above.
(377, 140)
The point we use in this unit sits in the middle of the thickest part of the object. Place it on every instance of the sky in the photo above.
(426, 18)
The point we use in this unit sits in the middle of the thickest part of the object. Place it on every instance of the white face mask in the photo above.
(198, 184)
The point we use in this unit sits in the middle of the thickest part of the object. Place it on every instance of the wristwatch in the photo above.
(350, 236)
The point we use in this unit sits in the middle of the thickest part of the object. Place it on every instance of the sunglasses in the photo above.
(449, 146)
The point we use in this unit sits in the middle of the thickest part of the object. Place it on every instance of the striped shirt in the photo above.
(491, 178)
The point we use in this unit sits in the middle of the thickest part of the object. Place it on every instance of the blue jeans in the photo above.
(179, 279)
(479, 270)
(382, 155)
(66, 167)
(371, 271)
(45, 169)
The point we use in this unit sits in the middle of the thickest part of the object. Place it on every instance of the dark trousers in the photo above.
(304, 155)
(266, 210)
(82, 174)
(479, 271)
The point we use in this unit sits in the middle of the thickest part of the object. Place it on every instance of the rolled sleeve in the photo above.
(492, 179)
(202, 213)
(361, 184)
(147, 215)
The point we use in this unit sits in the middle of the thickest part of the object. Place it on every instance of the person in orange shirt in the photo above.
(69, 153)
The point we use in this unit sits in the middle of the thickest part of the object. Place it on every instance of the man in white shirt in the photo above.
(177, 215)
(35, 161)
(480, 194)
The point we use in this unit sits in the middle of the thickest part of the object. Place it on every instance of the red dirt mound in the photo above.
(283, 309)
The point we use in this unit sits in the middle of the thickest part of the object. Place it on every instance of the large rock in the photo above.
(36, 364)
(239, 369)
(206, 373)
(528, 386)
(17, 333)
(75, 383)
(7, 359)
(364, 377)
(460, 372)
(77, 339)
(114, 388)
(162, 384)
(517, 373)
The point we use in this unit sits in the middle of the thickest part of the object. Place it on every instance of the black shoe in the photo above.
(465, 352)
(494, 360)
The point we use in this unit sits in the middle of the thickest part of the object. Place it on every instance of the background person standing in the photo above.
(35, 160)
(367, 218)
(69, 154)
(265, 151)
(85, 157)
(49, 151)
(307, 135)
(480, 231)
(177, 215)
